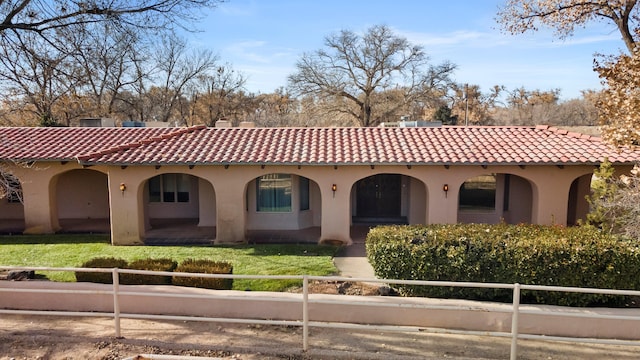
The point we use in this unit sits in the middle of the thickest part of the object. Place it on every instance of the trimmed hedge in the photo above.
(101, 262)
(525, 254)
(204, 266)
(168, 265)
(150, 265)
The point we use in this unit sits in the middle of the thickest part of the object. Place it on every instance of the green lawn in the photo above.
(73, 250)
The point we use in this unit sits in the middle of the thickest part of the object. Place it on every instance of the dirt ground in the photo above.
(58, 338)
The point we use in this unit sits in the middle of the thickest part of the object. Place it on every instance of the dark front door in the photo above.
(379, 196)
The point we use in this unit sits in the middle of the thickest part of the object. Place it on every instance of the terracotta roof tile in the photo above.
(335, 146)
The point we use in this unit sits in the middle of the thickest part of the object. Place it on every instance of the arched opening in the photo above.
(179, 209)
(11, 207)
(388, 199)
(82, 201)
(282, 208)
(494, 198)
(577, 206)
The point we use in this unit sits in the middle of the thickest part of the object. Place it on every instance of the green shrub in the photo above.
(166, 265)
(204, 266)
(525, 254)
(102, 262)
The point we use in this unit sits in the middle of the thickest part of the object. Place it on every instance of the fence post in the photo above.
(116, 302)
(305, 313)
(514, 321)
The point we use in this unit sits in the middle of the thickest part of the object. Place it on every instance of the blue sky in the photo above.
(263, 39)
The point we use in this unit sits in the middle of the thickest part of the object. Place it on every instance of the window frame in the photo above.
(166, 188)
(304, 189)
(464, 195)
(266, 191)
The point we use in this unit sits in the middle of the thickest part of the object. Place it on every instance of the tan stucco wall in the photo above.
(82, 194)
(11, 211)
(472, 315)
(231, 190)
(417, 199)
(207, 204)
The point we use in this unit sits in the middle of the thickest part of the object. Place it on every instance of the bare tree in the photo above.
(353, 68)
(105, 55)
(470, 106)
(530, 105)
(174, 69)
(42, 16)
(35, 73)
(217, 93)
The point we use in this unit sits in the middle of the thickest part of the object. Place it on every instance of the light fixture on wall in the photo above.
(123, 187)
(445, 188)
(334, 187)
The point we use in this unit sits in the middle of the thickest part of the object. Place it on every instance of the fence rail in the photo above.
(305, 322)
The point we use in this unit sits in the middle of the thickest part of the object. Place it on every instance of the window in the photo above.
(274, 193)
(169, 188)
(304, 193)
(478, 193)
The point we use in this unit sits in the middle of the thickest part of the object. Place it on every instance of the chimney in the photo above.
(223, 123)
(247, 124)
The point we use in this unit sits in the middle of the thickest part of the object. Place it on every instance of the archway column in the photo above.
(230, 208)
(336, 210)
(126, 206)
(442, 206)
(40, 214)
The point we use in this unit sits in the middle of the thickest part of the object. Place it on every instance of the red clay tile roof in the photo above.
(452, 145)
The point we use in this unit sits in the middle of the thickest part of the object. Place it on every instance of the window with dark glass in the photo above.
(274, 193)
(304, 193)
(169, 188)
(478, 193)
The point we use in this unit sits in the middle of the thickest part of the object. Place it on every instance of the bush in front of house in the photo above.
(204, 266)
(166, 265)
(100, 277)
(526, 254)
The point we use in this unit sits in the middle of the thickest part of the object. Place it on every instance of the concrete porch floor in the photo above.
(187, 232)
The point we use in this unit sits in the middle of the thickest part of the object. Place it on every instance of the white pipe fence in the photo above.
(305, 322)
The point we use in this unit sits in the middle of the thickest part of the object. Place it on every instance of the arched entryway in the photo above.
(388, 198)
(11, 207)
(577, 206)
(179, 209)
(281, 208)
(494, 198)
(82, 201)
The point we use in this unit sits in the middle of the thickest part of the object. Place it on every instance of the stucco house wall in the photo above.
(542, 176)
(82, 194)
(11, 210)
(233, 189)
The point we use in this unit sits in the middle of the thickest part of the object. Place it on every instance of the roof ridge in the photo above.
(144, 141)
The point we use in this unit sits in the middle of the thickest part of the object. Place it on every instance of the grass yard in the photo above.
(73, 250)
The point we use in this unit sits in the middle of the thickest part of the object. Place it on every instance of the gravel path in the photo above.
(53, 338)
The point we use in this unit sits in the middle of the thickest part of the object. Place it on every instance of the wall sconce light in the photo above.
(123, 187)
(334, 187)
(445, 188)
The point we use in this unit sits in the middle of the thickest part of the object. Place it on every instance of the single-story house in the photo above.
(230, 183)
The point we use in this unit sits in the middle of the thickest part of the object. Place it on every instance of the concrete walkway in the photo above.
(352, 261)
